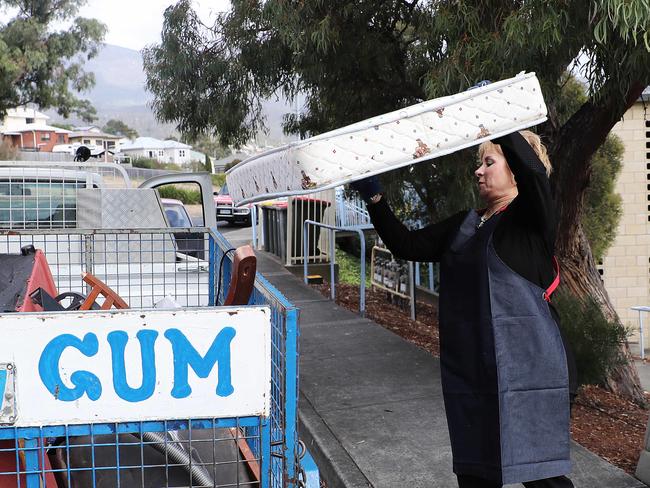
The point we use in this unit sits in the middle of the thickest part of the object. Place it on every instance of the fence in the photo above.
(52, 157)
(146, 173)
(351, 210)
(45, 157)
(427, 277)
(144, 266)
(315, 206)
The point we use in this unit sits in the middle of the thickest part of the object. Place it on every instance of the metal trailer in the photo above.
(235, 451)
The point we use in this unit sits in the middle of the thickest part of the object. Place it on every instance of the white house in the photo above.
(19, 117)
(163, 151)
(94, 136)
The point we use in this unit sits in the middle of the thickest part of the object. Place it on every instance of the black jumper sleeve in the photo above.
(423, 245)
(525, 236)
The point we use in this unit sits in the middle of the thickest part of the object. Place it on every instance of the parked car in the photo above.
(176, 213)
(226, 211)
(189, 243)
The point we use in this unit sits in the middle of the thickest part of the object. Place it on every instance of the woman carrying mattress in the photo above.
(507, 375)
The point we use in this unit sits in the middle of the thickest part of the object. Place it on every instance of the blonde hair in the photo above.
(535, 142)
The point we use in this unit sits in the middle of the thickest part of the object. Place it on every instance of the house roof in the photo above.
(35, 127)
(152, 143)
(87, 128)
(25, 112)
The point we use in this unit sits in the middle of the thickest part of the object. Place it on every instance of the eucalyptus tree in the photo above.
(43, 46)
(353, 59)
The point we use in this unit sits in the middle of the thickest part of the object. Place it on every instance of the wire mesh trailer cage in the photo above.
(192, 268)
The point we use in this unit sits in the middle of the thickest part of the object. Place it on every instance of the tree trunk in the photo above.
(571, 153)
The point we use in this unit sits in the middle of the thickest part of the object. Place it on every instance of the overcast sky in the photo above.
(137, 23)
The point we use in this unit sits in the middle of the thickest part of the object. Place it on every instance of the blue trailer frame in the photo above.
(273, 440)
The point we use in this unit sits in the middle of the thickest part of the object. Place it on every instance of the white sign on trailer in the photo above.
(134, 365)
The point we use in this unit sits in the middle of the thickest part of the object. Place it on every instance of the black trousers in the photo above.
(465, 481)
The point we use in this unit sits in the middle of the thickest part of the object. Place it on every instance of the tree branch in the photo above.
(572, 152)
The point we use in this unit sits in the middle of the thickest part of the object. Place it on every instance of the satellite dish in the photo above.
(82, 154)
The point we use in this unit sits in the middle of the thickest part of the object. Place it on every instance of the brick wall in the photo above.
(626, 267)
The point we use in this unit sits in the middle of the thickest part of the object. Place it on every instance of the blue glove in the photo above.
(480, 84)
(368, 187)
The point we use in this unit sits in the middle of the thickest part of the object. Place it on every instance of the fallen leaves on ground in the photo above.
(606, 424)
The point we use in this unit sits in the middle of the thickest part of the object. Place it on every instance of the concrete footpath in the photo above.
(371, 409)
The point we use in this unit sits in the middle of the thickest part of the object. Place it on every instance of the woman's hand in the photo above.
(368, 187)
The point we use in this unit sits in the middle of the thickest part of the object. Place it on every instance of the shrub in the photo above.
(218, 180)
(595, 341)
(185, 195)
(149, 163)
(146, 163)
(232, 163)
(8, 152)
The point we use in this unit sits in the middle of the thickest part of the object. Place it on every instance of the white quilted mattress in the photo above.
(440, 126)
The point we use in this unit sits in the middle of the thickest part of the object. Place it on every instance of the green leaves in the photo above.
(119, 128)
(603, 206)
(627, 19)
(594, 340)
(43, 66)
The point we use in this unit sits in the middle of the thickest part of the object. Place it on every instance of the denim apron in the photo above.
(503, 365)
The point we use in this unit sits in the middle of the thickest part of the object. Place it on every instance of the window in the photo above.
(45, 136)
(110, 144)
(29, 120)
(647, 165)
(161, 152)
(38, 204)
(151, 154)
(600, 266)
(86, 141)
(181, 153)
(60, 138)
(177, 216)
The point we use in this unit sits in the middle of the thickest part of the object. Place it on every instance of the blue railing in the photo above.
(283, 423)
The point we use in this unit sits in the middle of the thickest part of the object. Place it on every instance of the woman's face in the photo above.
(494, 178)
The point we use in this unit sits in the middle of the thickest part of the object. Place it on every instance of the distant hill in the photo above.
(119, 93)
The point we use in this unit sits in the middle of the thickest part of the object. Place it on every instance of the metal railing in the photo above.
(112, 175)
(332, 244)
(641, 310)
(351, 211)
(144, 266)
(141, 174)
(427, 277)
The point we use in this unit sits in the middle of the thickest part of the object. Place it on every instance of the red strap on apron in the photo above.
(549, 291)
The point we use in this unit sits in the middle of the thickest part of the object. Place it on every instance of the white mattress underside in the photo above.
(383, 143)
